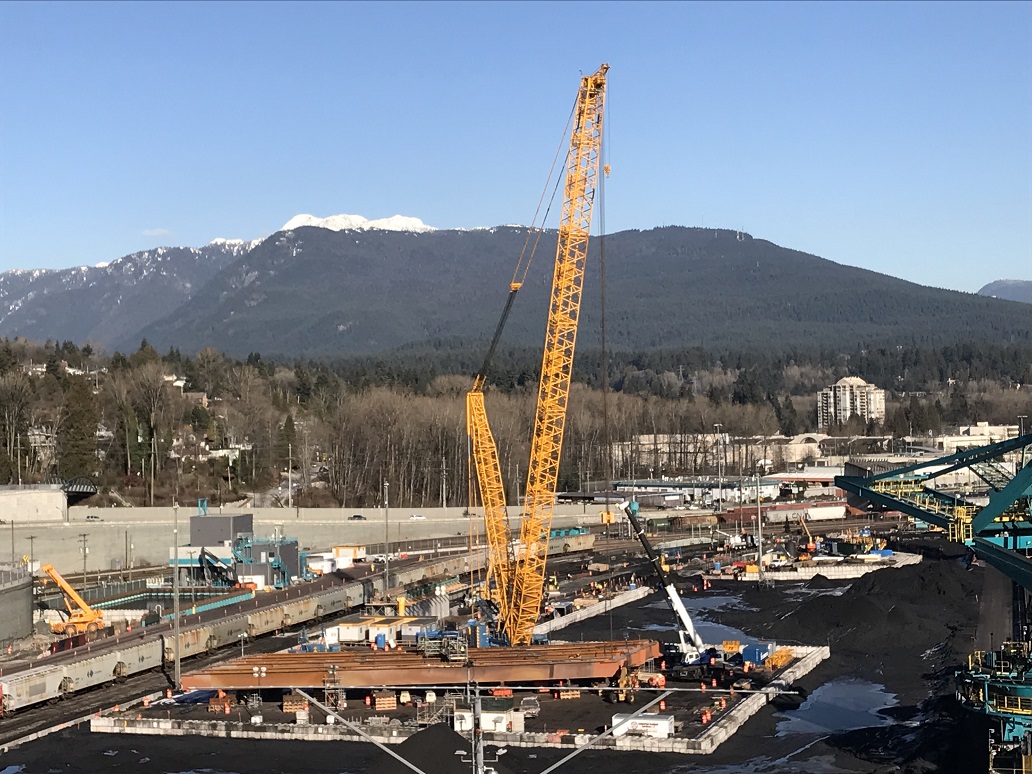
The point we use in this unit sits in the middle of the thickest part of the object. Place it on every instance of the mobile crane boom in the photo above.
(690, 643)
(81, 617)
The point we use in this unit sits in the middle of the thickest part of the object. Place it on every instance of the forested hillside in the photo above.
(313, 292)
(212, 426)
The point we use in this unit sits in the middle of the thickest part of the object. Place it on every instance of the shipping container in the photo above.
(354, 553)
(352, 632)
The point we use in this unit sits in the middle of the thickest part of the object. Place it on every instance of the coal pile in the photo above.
(433, 750)
(819, 583)
(890, 614)
(906, 628)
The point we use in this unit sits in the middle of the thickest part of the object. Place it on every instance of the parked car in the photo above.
(357, 517)
(93, 517)
(530, 706)
(417, 517)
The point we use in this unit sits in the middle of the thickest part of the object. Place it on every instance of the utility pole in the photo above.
(12, 545)
(85, 549)
(32, 555)
(759, 530)
(290, 465)
(386, 540)
(175, 593)
(720, 469)
(444, 483)
(154, 454)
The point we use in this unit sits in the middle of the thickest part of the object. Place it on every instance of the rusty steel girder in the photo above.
(362, 668)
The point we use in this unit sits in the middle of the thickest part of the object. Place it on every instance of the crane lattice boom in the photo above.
(522, 610)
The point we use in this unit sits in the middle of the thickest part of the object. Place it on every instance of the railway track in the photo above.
(33, 720)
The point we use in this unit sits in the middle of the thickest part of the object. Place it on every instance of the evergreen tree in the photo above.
(287, 439)
(77, 433)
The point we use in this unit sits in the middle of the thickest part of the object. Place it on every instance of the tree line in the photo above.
(227, 428)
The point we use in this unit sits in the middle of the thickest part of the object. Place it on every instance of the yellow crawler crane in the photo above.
(517, 573)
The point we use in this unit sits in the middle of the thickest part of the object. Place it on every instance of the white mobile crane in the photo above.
(688, 649)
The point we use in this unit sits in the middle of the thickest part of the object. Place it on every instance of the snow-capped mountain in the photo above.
(358, 223)
(110, 302)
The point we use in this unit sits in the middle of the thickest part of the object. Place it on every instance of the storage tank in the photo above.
(15, 603)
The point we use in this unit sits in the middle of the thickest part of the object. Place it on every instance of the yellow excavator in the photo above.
(81, 617)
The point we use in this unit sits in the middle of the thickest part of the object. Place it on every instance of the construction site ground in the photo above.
(902, 630)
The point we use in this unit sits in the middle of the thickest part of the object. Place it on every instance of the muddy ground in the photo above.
(904, 629)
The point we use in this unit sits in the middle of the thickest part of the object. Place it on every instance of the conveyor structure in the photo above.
(996, 682)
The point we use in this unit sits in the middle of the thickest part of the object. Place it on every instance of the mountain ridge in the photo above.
(312, 291)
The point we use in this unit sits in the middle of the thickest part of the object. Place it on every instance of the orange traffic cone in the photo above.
(662, 704)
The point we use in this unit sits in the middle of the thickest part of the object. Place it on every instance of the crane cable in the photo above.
(535, 229)
(518, 278)
(607, 459)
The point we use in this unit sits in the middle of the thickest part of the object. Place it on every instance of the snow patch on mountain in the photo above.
(359, 223)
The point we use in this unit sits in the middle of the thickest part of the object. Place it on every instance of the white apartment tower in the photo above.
(849, 395)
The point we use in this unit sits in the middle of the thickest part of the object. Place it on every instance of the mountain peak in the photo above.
(1009, 290)
(359, 223)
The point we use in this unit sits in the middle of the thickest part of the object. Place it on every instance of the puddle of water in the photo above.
(841, 705)
(713, 633)
(698, 607)
(706, 602)
(802, 593)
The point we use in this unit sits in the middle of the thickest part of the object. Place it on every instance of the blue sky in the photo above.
(892, 136)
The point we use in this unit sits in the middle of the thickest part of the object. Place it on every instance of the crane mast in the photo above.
(521, 611)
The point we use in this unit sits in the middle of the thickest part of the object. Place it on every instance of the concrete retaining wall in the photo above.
(725, 726)
(40, 503)
(837, 571)
(149, 531)
(599, 608)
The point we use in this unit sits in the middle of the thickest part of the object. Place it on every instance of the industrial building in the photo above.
(224, 551)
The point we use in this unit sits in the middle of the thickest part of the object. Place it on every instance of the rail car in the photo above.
(570, 540)
(119, 660)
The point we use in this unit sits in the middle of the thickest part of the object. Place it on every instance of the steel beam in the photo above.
(372, 669)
